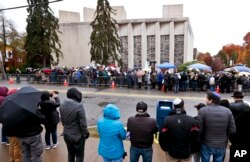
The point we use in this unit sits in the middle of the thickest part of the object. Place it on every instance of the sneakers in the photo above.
(55, 145)
(47, 147)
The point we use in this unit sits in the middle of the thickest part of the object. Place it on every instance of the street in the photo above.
(126, 99)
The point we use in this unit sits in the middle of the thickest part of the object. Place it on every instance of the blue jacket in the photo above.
(111, 132)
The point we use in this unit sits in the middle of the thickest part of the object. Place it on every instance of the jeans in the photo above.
(207, 151)
(51, 129)
(4, 138)
(75, 148)
(176, 88)
(110, 160)
(136, 152)
(212, 87)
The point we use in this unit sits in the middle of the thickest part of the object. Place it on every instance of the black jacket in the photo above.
(49, 110)
(142, 129)
(179, 135)
(241, 113)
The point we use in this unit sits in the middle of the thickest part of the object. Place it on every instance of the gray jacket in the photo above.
(217, 123)
(73, 119)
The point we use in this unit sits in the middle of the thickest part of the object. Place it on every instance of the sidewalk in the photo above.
(91, 151)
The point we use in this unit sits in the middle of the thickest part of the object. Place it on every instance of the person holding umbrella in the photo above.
(20, 118)
(48, 108)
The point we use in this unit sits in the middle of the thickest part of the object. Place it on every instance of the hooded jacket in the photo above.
(111, 132)
(3, 94)
(49, 108)
(73, 116)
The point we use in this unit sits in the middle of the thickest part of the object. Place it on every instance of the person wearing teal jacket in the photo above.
(112, 134)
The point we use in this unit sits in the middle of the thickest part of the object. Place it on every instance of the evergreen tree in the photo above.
(104, 40)
(42, 42)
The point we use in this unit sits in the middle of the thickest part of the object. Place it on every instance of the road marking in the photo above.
(129, 95)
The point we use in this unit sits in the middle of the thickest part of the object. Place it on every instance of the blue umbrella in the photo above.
(199, 66)
(166, 65)
(241, 68)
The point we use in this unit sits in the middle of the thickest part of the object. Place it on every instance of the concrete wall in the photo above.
(75, 37)
(68, 17)
(88, 14)
(74, 41)
(172, 11)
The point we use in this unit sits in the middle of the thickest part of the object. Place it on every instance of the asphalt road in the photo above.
(126, 99)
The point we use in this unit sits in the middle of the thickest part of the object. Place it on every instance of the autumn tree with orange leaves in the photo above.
(233, 54)
(246, 47)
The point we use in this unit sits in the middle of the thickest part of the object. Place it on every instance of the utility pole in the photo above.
(4, 51)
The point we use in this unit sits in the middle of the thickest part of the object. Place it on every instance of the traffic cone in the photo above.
(113, 84)
(65, 83)
(217, 89)
(11, 80)
(162, 88)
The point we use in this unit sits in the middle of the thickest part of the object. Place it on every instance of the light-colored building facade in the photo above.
(166, 39)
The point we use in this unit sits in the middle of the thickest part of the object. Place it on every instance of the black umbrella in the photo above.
(19, 109)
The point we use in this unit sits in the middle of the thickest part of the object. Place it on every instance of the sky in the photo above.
(215, 23)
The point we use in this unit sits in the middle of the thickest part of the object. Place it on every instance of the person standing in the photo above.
(14, 147)
(74, 123)
(3, 94)
(18, 73)
(141, 129)
(112, 134)
(216, 123)
(179, 135)
(48, 108)
(240, 140)
(196, 154)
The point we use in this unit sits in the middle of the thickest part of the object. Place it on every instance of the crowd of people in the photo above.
(155, 79)
(218, 124)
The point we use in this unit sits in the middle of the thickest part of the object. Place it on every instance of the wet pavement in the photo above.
(59, 154)
(94, 99)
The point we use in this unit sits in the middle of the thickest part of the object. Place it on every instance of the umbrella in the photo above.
(140, 73)
(241, 68)
(200, 66)
(19, 109)
(147, 69)
(244, 73)
(166, 65)
(110, 68)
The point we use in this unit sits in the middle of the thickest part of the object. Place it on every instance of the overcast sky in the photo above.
(215, 23)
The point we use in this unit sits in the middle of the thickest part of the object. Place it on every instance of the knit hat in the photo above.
(141, 107)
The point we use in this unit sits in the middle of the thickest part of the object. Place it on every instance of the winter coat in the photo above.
(217, 123)
(3, 94)
(142, 129)
(73, 116)
(241, 113)
(111, 133)
(49, 110)
(179, 135)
